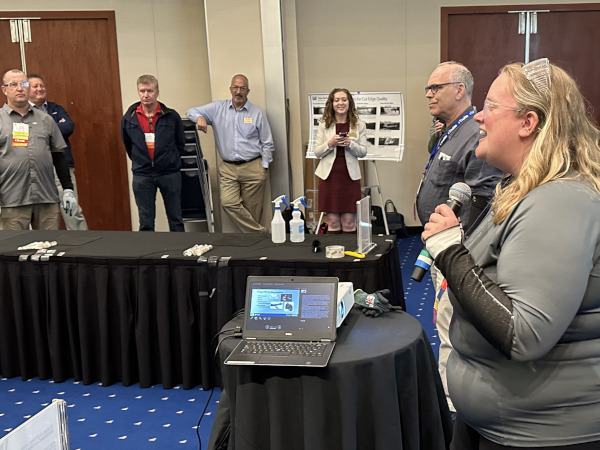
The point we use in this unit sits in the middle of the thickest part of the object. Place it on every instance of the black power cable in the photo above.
(236, 332)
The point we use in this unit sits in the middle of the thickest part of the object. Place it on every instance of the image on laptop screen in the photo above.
(291, 307)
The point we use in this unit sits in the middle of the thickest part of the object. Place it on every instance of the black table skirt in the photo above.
(381, 390)
(128, 307)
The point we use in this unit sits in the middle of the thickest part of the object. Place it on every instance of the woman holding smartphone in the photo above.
(341, 140)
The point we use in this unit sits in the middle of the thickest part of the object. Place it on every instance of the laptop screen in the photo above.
(296, 308)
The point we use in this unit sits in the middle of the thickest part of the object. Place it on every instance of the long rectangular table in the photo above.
(114, 306)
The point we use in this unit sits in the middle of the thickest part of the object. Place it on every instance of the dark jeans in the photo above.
(144, 190)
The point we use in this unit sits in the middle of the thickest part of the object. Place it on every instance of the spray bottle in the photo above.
(297, 224)
(278, 224)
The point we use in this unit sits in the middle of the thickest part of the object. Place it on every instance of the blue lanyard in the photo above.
(451, 130)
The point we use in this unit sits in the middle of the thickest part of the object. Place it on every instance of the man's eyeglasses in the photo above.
(434, 88)
(15, 84)
(487, 105)
(239, 88)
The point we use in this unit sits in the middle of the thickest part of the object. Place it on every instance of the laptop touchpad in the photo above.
(271, 359)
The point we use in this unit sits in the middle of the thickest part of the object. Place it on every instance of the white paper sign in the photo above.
(383, 115)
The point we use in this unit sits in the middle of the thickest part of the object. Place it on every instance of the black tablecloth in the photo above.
(116, 306)
(381, 390)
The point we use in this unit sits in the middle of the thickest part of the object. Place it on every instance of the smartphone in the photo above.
(342, 134)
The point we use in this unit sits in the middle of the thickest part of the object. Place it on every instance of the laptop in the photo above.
(288, 321)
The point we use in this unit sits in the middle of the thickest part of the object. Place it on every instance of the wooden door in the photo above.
(486, 38)
(76, 53)
(569, 39)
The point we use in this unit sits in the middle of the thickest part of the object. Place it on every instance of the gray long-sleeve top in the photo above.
(525, 369)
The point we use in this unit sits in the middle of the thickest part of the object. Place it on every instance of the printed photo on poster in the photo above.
(383, 115)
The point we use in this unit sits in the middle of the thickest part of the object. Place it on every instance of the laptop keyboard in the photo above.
(283, 348)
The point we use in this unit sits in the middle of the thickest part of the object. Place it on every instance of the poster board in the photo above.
(383, 115)
(47, 430)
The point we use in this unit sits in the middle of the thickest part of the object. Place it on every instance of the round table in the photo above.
(381, 390)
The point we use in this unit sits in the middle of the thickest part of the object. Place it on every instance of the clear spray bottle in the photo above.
(297, 224)
(278, 224)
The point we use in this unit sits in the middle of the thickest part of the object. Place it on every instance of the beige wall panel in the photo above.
(360, 46)
(166, 39)
(297, 140)
(378, 45)
(235, 46)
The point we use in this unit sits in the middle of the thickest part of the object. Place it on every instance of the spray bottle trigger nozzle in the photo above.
(279, 200)
(298, 201)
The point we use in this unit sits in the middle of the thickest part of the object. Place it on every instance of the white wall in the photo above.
(163, 38)
(166, 39)
(234, 46)
(379, 45)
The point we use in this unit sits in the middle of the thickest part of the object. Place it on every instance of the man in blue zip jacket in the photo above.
(37, 98)
(154, 139)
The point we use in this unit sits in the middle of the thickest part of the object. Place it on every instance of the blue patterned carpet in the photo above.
(117, 417)
(113, 417)
(419, 296)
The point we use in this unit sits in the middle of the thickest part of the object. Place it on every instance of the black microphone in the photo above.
(460, 194)
(316, 245)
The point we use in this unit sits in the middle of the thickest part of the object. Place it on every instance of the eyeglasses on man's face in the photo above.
(434, 88)
(239, 88)
(16, 84)
(489, 105)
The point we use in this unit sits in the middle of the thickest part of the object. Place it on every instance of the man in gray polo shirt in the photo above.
(31, 146)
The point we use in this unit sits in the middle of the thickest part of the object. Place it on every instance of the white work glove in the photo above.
(438, 242)
(69, 201)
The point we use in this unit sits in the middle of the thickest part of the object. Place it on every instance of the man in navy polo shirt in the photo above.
(37, 98)
(452, 160)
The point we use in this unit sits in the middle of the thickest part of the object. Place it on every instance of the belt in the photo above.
(237, 163)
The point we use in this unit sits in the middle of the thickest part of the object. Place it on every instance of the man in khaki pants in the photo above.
(245, 144)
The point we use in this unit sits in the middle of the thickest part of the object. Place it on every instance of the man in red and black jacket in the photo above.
(154, 139)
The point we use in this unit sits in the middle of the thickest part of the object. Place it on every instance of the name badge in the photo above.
(149, 139)
(20, 135)
(247, 119)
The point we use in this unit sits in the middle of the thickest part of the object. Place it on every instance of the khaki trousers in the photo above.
(42, 216)
(242, 189)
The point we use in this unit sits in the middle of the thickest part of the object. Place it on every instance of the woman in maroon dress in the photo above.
(341, 140)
